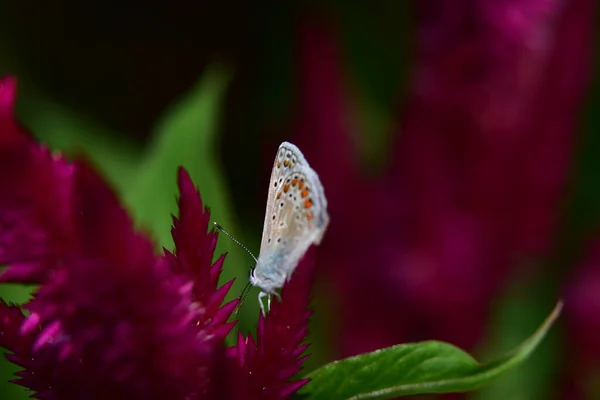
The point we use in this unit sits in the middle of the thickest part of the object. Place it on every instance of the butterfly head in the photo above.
(267, 278)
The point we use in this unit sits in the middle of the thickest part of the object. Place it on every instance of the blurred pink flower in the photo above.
(485, 148)
(480, 164)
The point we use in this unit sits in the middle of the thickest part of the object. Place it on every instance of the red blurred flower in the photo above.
(112, 319)
(479, 167)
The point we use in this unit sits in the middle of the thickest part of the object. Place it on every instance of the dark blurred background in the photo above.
(457, 142)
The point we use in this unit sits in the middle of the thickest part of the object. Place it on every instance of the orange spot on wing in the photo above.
(286, 163)
(301, 185)
(291, 165)
(294, 181)
(309, 217)
(278, 196)
(304, 193)
(307, 203)
(278, 164)
(286, 187)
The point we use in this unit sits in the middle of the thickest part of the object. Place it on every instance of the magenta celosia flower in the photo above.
(485, 148)
(267, 364)
(112, 318)
(479, 166)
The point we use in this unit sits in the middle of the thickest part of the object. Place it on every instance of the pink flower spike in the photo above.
(267, 365)
(47, 335)
(31, 322)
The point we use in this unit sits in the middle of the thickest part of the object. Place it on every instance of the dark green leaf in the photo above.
(415, 368)
(185, 137)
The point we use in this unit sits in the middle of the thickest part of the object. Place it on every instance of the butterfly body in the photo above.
(296, 218)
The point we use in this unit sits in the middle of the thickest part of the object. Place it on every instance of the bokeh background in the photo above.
(457, 141)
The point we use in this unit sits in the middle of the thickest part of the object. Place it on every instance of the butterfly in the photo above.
(296, 218)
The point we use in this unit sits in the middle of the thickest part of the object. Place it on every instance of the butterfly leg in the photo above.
(260, 301)
(269, 302)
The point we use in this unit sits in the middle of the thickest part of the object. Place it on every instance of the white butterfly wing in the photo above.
(296, 214)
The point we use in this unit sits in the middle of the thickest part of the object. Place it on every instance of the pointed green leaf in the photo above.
(186, 136)
(415, 368)
(515, 317)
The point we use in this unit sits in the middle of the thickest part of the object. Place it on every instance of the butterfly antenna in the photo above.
(219, 227)
(243, 296)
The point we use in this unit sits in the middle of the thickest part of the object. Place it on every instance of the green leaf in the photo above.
(183, 137)
(517, 314)
(415, 368)
(186, 136)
